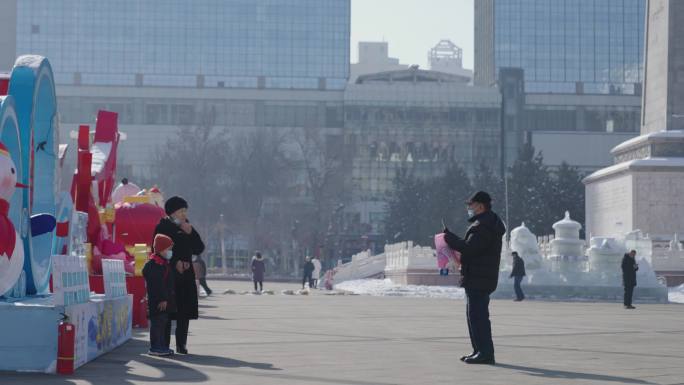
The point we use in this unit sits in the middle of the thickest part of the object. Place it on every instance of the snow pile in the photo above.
(385, 288)
(676, 294)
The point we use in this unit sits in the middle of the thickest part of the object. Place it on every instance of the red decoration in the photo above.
(135, 223)
(62, 229)
(84, 138)
(4, 84)
(7, 232)
(111, 250)
(107, 131)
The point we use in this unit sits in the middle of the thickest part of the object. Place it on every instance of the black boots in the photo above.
(480, 359)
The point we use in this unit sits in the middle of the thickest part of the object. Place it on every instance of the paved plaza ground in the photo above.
(360, 340)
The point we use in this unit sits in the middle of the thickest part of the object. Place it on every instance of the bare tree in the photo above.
(321, 160)
(192, 164)
(259, 170)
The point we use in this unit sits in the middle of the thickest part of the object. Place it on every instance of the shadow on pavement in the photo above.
(221, 362)
(550, 373)
(115, 368)
(203, 316)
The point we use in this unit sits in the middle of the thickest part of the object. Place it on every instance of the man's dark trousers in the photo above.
(518, 290)
(479, 327)
(629, 291)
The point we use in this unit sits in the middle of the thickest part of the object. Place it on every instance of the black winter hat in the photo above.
(480, 197)
(174, 204)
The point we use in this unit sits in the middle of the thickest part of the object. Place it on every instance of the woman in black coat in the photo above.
(186, 242)
(258, 270)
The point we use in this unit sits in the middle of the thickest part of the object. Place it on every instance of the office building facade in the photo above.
(297, 44)
(563, 46)
(416, 121)
(161, 64)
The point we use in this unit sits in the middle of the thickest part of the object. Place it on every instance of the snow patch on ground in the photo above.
(676, 294)
(385, 288)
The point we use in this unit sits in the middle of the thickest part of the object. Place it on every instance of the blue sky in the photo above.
(412, 27)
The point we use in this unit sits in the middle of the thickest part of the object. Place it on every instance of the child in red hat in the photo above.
(161, 297)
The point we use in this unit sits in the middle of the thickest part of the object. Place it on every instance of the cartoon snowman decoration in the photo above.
(11, 246)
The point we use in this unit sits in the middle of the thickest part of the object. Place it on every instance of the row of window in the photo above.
(239, 113)
(231, 38)
(201, 81)
(571, 40)
(603, 120)
(383, 151)
(248, 113)
(454, 115)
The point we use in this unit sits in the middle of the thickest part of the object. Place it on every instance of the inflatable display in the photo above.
(11, 247)
(11, 243)
(41, 229)
(32, 87)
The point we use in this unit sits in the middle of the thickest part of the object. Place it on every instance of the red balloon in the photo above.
(135, 223)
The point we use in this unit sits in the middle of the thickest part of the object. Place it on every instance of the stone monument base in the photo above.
(639, 193)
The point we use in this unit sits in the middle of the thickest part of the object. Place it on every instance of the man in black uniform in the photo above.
(480, 258)
(629, 269)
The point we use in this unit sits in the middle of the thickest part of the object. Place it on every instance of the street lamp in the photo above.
(224, 267)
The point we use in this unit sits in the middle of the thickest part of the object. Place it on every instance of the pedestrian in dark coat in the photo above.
(309, 267)
(258, 271)
(517, 274)
(200, 267)
(629, 281)
(186, 242)
(161, 295)
(480, 258)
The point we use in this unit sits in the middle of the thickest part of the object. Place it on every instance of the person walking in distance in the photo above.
(517, 274)
(480, 250)
(186, 243)
(200, 267)
(629, 281)
(316, 274)
(308, 272)
(258, 271)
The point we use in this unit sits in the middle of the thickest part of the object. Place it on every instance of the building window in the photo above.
(156, 114)
(183, 114)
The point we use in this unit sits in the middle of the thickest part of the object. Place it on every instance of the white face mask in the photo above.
(471, 213)
(168, 254)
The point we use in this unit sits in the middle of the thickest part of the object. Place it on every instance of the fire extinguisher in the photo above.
(65, 346)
